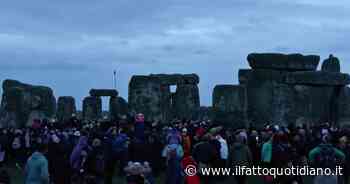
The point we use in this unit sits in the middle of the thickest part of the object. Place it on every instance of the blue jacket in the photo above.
(37, 169)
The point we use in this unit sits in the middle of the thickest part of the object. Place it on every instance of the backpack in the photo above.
(326, 157)
(119, 144)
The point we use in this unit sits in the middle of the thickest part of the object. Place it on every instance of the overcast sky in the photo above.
(73, 46)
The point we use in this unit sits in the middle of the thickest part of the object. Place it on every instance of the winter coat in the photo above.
(187, 163)
(75, 158)
(186, 144)
(240, 155)
(37, 169)
(266, 152)
(203, 152)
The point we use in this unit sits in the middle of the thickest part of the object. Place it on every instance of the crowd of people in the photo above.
(141, 152)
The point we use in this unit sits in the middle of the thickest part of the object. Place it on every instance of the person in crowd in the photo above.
(140, 128)
(36, 169)
(186, 143)
(153, 154)
(325, 155)
(224, 151)
(138, 173)
(255, 146)
(187, 163)
(78, 160)
(95, 162)
(173, 152)
(240, 155)
(280, 153)
(58, 161)
(91, 150)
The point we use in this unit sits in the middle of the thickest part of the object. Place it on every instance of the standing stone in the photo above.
(151, 95)
(344, 107)
(186, 101)
(243, 76)
(145, 96)
(260, 96)
(205, 113)
(332, 64)
(92, 108)
(65, 108)
(229, 105)
(19, 100)
(117, 107)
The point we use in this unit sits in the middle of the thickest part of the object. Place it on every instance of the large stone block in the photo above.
(151, 95)
(186, 101)
(146, 95)
(117, 107)
(176, 79)
(318, 78)
(205, 113)
(103, 92)
(21, 99)
(243, 75)
(332, 64)
(276, 61)
(344, 106)
(65, 108)
(229, 105)
(92, 108)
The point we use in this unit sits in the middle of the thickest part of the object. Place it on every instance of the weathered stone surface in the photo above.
(259, 100)
(151, 95)
(344, 106)
(186, 101)
(272, 99)
(146, 96)
(229, 105)
(290, 62)
(117, 107)
(243, 75)
(191, 78)
(332, 64)
(20, 99)
(103, 92)
(176, 79)
(205, 113)
(92, 108)
(286, 89)
(318, 78)
(65, 108)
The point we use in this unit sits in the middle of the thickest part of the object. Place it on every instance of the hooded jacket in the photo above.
(75, 158)
(37, 169)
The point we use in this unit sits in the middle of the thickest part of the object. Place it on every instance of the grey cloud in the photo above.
(142, 36)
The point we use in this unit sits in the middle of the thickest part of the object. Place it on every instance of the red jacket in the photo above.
(186, 162)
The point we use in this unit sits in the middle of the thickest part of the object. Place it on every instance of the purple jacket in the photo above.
(75, 157)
